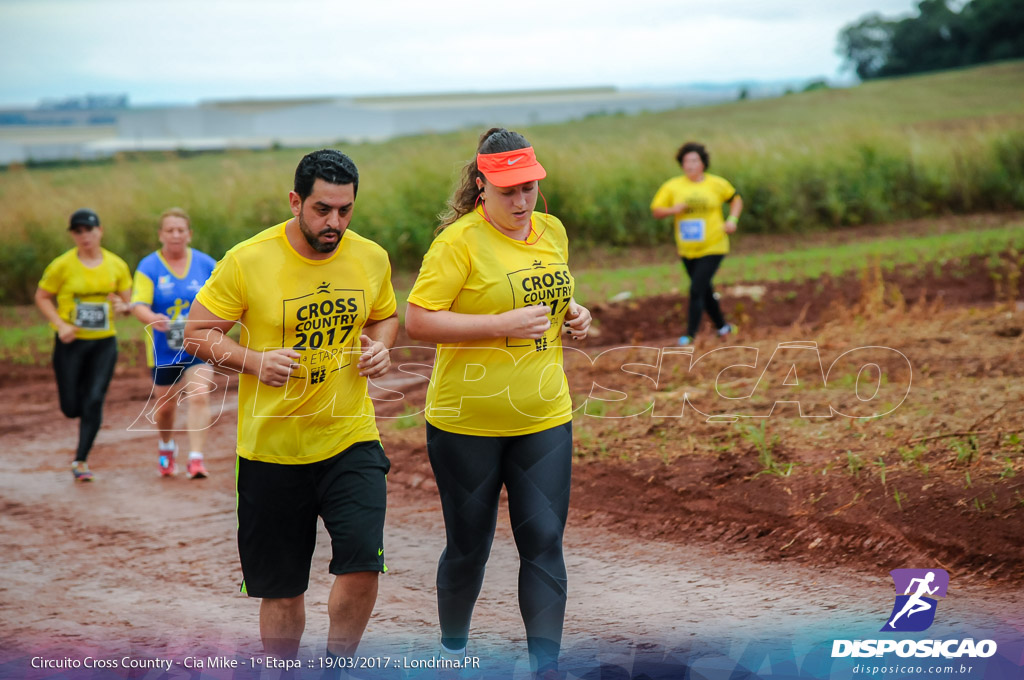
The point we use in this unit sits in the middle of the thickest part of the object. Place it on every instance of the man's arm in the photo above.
(377, 339)
(206, 337)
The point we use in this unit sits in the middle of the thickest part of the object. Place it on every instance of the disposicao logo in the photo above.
(915, 605)
(914, 611)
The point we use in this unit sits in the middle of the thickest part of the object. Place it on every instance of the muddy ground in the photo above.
(677, 523)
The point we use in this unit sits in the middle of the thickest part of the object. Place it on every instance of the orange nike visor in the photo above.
(509, 168)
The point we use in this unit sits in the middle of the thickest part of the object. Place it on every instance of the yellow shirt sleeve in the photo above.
(726, 190)
(53, 276)
(441, 278)
(224, 292)
(385, 304)
(124, 276)
(142, 290)
(664, 198)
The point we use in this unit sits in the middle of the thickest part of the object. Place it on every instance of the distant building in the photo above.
(95, 127)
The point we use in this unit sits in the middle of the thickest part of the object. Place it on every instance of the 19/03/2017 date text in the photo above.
(353, 662)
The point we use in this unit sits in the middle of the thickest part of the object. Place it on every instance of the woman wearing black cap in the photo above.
(79, 293)
(495, 293)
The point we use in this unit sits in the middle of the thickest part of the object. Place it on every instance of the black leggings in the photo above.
(84, 369)
(470, 471)
(702, 294)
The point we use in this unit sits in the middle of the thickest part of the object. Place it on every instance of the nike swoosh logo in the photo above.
(513, 161)
(380, 552)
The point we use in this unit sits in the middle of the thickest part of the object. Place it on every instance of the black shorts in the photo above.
(171, 373)
(278, 506)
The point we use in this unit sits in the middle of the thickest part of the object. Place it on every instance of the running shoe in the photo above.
(80, 469)
(725, 330)
(196, 470)
(166, 463)
(685, 340)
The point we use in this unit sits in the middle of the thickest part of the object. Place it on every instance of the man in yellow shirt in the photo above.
(317, 314)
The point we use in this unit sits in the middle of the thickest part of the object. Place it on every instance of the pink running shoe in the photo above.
(166, 463)
(196, 469)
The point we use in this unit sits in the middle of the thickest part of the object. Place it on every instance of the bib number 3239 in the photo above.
(92, 316)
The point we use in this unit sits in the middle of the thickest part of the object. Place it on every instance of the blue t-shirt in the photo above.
(167, 293)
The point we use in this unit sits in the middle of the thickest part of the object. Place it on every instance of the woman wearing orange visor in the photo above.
(495, 293)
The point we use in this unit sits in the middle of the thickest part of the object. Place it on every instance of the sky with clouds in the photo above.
(184, 51)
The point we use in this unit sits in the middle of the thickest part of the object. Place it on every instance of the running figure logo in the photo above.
(914, 610)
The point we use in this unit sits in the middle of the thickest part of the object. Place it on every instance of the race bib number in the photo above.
(92, 316)
(691, 231)
(176, 334)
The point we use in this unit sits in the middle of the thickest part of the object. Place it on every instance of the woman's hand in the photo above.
(577, 320)
(66, 332)
(528, 322)
(119, 304)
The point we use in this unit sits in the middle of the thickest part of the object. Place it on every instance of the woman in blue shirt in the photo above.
(166, 283)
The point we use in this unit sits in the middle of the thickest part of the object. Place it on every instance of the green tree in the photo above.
(938, 37)
(995, 30)
(867, 44)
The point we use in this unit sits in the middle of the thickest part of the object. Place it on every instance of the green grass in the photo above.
(886, 150)
(26, 341)
(598, 285)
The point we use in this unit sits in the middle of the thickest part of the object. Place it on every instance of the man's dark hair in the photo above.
(330, 165)
(694, 146)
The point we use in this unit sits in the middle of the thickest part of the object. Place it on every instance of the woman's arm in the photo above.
(658, 213)
(735, 208)
(45, 302)
(447, 326)
(148, 317)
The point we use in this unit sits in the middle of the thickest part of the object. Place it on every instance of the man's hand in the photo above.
(375, 359)
(276, 366)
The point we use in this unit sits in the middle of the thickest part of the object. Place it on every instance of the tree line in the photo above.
(938, 37)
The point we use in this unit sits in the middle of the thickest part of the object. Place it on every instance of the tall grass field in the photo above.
(951, 142)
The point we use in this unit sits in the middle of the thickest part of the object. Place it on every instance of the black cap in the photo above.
(84, 218)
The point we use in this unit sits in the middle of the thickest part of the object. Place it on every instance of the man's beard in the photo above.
(314, 239)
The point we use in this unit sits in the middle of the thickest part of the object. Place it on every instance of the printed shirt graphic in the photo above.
(699, 230)
(165, 292)
(504, 386)
(915, 606)
(318, 308)
(82, 291)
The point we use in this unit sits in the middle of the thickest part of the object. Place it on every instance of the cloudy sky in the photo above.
(186, 50)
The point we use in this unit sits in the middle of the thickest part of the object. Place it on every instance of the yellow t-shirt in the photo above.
(699, 230)
(504, 386)
(318, 308)
(82, 291)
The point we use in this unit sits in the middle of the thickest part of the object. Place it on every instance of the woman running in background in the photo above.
(79, 294)
(166, 283)
(694, 201)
